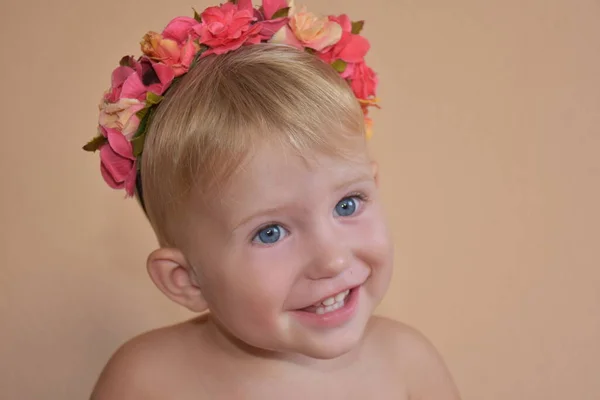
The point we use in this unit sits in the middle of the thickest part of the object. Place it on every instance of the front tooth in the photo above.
(340, 296)
(329, 301)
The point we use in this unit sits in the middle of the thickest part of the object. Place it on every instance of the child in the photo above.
(242, 133)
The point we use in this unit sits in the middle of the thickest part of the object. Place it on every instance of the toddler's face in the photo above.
(295, 254)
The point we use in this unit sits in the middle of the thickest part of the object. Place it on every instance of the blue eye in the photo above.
(347, 206)
(270, 234)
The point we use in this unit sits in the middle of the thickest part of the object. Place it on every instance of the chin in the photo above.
(332, 348)
(326, 344)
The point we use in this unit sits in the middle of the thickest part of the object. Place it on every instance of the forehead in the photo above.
(278, 174)
(272, 166)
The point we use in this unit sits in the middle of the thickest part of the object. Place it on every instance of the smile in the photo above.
(331, 312)
(330, 304)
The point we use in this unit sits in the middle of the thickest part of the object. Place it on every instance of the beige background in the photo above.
(489, 143)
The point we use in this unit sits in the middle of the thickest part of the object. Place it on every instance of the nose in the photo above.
(330, 257)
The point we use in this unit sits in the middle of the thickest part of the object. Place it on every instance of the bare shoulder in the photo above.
(146, 367)
(416, 358)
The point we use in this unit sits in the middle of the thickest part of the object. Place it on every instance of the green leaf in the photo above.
(141, 130)
(95, 143)
(153, 98)
(144, 121)
(357, 27)
(142, 113)
(339, 65)
(197, 16)
(137, 144)
(281, 13)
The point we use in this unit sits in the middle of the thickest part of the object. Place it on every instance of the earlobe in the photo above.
(172, 275)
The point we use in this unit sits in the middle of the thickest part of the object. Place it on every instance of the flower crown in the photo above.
(138, 85)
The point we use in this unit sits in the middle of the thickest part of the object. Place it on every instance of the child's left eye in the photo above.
(348, 206)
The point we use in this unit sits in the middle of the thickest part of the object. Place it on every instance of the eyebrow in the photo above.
(278, 209)
(266, 211)
(359, 179)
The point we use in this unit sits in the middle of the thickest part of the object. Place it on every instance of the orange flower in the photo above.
(365, 104)
(169, 52)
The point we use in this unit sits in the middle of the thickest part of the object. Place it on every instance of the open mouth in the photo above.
(330, 304)
(332, 312)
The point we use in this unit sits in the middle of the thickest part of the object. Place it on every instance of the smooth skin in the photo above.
(285, 232)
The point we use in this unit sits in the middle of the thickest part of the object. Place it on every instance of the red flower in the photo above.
(363, 81)
(228, 27)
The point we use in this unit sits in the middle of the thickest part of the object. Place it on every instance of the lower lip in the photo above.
(335, 318)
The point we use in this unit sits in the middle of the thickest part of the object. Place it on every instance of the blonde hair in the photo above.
(227, 104)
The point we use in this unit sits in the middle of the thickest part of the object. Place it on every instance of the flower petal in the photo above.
(270, 7)
(286, 36)
(130, 180)
(133, 88)
(344, 21)
(114, 168)
(269, 28)
(120, 74)
(119, 144)
(187, 53)
(165, 75)
(355, 50)
(245, 5)
(180, 28)
(110, 181)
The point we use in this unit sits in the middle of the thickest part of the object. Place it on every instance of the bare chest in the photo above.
(381, 386)
(315, 391)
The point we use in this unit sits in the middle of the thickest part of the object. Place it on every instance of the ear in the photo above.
(375, 170)
(173, 276)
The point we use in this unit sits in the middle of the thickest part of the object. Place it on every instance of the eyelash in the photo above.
(358, 195)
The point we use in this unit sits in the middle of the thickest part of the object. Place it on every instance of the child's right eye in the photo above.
(270, 234)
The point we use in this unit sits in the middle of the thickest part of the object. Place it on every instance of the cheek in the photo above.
(253, 288)
(373, 241)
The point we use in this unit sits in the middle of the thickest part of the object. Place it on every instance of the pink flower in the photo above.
(363, 81)
(270, 7)
(229, 27)
(307, 29)
(149, 76)
(351, 48)
(135, 78)
(181, 29)
(169, 51)
(270, 25)
(121, 116)
(117, 163)
(119, 76)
